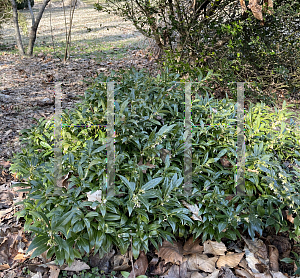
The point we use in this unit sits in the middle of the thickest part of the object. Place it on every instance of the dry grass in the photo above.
(93, 33)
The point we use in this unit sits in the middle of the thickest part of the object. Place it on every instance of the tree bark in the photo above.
(17, 28)
(34, 27)
(31, 12)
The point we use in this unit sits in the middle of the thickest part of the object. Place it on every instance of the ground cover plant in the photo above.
(150, 204)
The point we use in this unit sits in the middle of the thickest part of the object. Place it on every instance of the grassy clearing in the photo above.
(94, 34)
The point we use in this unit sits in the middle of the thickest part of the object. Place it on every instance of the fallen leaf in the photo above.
(54, 271)
(214, 248)
(274, 256)
(171, 253)
(96, 196)
(5, 164)
(225, 162)
(226, 273)
(202, 262)
(251, 260)
(198, 275)
(20, 258)
(77, 266)
(121, 263)
(215, 274)
(160, 269)
(277, 274)
(4, 267)
(258, 248)
(263, 275)
(193, 209)
(289, 217)
(173, 272)
(230, 260)
(243, 273)
(63, 182)
(140, 266)
(192, 247)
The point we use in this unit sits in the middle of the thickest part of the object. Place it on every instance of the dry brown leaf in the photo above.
(54, 271)
(225, 162)
(193, 209)
(173, 272)
(256, 9)
(5, 164)
(230, 260)
(274, 256)
(243, 273)
(243, 264)
(202, 262)
(4, 267)
(192, 247)
(198, 275)
(277, 274)
(251, 260)
(225, 272)
(215, 274)
(160, 269)
(77, 266)
(258, 248)
(171, 253)
(20, 258)
(214, 248)
(63, 182)
(289, 217)
(243, 5)
(263, 275)
(140, 266)
(121, 263)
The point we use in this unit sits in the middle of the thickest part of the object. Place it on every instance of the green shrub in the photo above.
(219, 36)
(148, 205)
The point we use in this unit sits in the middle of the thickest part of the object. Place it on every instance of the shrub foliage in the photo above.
(220, 36)
(150, 204)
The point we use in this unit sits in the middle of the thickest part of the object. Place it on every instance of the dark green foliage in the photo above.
(148, 207)
(23, 4)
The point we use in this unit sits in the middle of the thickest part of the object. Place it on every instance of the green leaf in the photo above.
(38, 251)
(151, 184)
(222, 226)
(287, 260)
(130, 185)
(125, 274)
(38, 241)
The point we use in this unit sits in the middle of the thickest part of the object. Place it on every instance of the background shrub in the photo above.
(219, 36)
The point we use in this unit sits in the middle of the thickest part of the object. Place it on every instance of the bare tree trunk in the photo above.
(34, 27)
(17, 28)
(68, 41)
(31, 12)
